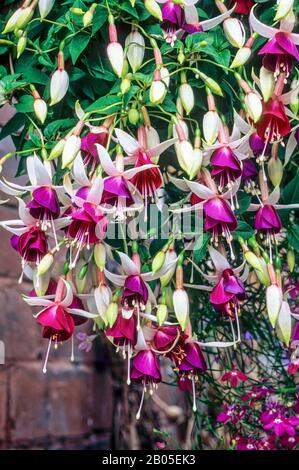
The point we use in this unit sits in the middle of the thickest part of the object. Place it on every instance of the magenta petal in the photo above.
(147, 363)
(47, 197)
(219, 210)
(165, 336)
(287, 45)
(194, 358)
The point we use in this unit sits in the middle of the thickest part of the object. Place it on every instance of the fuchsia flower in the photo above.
(229, 290)
(280, 51)
(267, 220)
(289, 441)
(29, 239)
(219, 218)
(274, 123)
(180, 18)
(234, 377)
(44, 203)
(120, 190)
(227, 155)
(88, 223)
(124, 331)
(59, 315)
(97, 135)
(136, 291)
(150, 180)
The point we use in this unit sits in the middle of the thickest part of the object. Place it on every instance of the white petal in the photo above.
(106, 162)
(117, 279)
(96, 190)
(37, 173)
(68, 296)
(128, 265)
(62, 222)
(285, 322)
(24, 213)
(81, 313)
(241, 123)
(290, 148)
(128, 143)
(261, 28)
(191, 14)
(209, 24)
(203, 192)
(134, 171)
(79, 171)
(179, 183)
(158, 149)
(274, 196)
(219, 261)
(38, 301)
(8, 190)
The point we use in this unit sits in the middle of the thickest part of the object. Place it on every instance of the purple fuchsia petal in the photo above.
(135, 285)
(267, 218)
(123, 330)
(46, 197)
(165, 336)
(173, 13)
(146, 363)
(284, 41)
(194, 358)
(89, 140)
(217, 209)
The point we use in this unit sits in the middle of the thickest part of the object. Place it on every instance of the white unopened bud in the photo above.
(164, 72)
(157, 92)
(275, 170)
(59, 86)
(273, 301)
(45, 6)
(254, 106)
(197, 161)
(135, 49)
(57, 149)
(185, 155)
(242, 56)
(161, 313)
(45, 264)
(111, 313)
(99, 254)
(267, 83)
(70, 150)
(116, 57)
(284, 7)
(166, 278)
(40, 109)
(211, 123)
(19, 19)
(181, 307)
(154, 9)
(102, 296)
(187, 97)
(234, 32)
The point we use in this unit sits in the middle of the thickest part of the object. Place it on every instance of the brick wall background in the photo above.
(80, 405)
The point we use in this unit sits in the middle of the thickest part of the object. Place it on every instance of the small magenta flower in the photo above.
(234, 377)
(281, 425)
(243, 443)
(231, 413)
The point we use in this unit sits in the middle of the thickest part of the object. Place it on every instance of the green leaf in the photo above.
(77, 46)
(201, 246)
(293, 236)
(25, 104)
(60, 124)
(243, 230)
(99, 18)
(13, 125)
(290, 193)
(104, 102)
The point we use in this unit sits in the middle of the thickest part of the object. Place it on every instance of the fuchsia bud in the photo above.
(273, 297)
(252, 100)
(211, 121)
(135, 47)
(153, 8)
(59, 81)
(267, 83)
(40, 106)
(181, 300)
(21, 17)
(234, 32)
(158, 89)
(45, 6)
(186, 94)
(115, 51)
